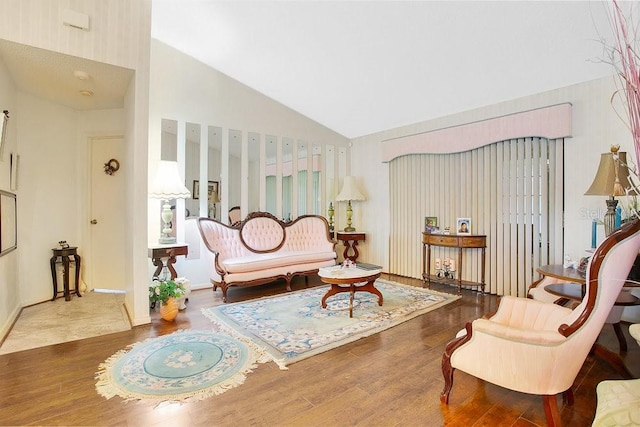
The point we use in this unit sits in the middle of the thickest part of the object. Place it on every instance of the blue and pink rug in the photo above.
(183, 366)
(292, 326)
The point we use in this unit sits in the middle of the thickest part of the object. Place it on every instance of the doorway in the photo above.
(106, 263)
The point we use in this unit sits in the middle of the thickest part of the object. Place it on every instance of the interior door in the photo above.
(105, 269)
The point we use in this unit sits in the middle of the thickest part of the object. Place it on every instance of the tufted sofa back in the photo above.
(262, 232)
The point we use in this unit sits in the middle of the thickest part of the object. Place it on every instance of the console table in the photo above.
(168, 252)
(452, 241)
(350, 241)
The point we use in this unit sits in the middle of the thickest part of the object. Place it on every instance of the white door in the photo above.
(105, 269)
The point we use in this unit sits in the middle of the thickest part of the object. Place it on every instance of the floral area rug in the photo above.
(183, 366)
(293, 326)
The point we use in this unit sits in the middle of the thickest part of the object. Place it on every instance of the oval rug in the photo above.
(185, 365)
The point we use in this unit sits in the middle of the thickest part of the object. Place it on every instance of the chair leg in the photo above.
(620, 335)
(447, 373)
(567, 397)
(447, 369)
(551, 410)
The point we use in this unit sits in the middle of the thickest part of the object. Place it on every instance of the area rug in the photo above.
(183, 366)
(293, 326)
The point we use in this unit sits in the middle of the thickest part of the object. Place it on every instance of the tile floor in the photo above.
(53, 322)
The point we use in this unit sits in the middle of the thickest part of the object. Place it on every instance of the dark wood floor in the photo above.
(389, 379)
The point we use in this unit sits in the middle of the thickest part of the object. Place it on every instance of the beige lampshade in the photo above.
(350, 190)
(214, 198)
(167, 184)
(604, 184)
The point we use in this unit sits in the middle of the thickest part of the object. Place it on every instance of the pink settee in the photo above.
(262, 249)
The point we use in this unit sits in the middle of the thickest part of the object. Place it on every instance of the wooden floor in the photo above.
(389, 379)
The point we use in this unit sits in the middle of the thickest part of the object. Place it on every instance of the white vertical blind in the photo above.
(512, 191)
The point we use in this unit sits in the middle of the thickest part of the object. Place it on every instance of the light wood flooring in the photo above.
(389, 379)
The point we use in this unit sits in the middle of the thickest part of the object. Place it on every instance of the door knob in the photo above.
(94, 221)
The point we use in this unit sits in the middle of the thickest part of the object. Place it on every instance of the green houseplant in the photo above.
(166, 292)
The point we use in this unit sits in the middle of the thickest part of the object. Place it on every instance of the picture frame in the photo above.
(463, 226)
(212, 186)
(430, 224)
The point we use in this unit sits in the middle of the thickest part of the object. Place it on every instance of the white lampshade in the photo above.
(168, 184)
(350, 190)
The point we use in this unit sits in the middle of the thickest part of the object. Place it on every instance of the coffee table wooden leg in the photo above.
(373, 290)
(352, 291)
(334, 290)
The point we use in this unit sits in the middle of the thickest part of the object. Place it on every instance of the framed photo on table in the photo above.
(463, 226)
(430, 224)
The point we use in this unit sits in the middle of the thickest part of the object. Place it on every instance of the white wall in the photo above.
(10, 283)
(54, 177)
(119, 35)
(186, 90)
(595, 128)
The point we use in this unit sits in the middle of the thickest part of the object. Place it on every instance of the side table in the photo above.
(64, 254)
(169, 252)
(350, 242)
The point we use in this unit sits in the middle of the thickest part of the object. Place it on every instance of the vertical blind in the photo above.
(511, 190)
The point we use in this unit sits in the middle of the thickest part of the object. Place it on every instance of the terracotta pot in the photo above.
(169, 311)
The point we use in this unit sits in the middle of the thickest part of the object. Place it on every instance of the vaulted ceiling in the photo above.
(359, 67)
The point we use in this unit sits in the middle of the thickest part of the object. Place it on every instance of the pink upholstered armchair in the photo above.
(538, 348)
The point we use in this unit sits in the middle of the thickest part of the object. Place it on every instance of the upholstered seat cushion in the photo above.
(256, 262)
(618, 403)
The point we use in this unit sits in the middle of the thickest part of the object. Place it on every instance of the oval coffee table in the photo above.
(350, 280)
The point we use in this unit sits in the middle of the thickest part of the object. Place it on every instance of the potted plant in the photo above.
(166, 292)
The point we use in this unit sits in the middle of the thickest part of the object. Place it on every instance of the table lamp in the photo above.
(213, 199)
(165, 187)
(348, 193)
(612, 179)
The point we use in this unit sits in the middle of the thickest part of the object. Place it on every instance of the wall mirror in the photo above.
(213, 173)
(288, 171)
(278, 174)
(271, 177)
(253, 187)
(330, 178)
(318, 188)
(303, 188)
(235, 169)
(192, 167)
(8, 222)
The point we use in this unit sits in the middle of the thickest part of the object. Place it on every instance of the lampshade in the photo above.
(350, 190)
(213, 197)
(604, 184)
(168, 184)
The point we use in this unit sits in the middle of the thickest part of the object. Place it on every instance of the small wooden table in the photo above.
(459, 241)
(576, 292)
(350, 241)
(64, 254)
(568, 285)
(347, 280)
(168, 252)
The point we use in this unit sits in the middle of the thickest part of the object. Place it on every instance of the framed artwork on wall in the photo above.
(464, 226)
(213, 187)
